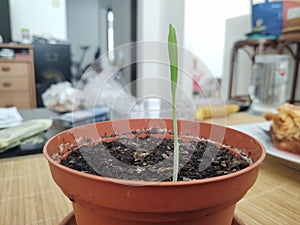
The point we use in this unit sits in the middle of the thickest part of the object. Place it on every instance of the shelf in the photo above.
(259, 47)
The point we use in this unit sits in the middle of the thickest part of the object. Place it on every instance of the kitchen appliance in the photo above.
(269, 83)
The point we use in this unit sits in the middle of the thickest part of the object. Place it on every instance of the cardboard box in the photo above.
(274, 17)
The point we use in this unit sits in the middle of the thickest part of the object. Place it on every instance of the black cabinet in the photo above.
(52, 64)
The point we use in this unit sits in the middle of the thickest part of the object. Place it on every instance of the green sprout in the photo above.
(173, 56)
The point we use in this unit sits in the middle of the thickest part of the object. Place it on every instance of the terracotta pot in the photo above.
(101, 201)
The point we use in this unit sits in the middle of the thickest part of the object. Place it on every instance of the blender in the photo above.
(269, 83)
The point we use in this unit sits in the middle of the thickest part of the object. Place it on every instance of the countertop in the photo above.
(29, 195)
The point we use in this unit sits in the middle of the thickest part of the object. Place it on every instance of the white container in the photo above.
(155, 107)
(269, 83)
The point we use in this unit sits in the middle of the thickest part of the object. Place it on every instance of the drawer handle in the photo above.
(5, 69)
(7, 84)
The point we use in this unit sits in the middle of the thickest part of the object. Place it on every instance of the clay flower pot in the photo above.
(101, 201)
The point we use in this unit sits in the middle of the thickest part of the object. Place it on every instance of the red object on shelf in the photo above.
(21, 56)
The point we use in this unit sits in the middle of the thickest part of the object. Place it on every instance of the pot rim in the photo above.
(156, 183)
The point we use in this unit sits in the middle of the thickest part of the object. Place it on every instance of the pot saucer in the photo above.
(70, 220)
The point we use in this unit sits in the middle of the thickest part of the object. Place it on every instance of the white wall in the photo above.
(154, 18)
(41, 17)
(83, 28)
(235, 28)
(205, 29)
(201, 32)
(87, 26)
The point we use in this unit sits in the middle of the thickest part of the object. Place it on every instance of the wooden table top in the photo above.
(29, 196)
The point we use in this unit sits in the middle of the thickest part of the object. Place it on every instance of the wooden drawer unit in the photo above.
(17, 83)
(21, 99)
(14, 69)
(14, 84)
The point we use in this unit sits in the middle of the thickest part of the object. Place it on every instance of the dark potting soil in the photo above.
(150, 158)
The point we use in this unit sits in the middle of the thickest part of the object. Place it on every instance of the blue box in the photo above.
(267, 17)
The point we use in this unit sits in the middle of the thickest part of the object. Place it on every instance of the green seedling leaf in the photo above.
(173, 56)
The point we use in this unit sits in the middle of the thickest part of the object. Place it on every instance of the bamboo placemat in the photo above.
(274, 198)
(29, 196)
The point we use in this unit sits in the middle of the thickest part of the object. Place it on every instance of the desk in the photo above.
(29, 196)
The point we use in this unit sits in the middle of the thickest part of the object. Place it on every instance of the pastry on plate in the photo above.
(285, 128)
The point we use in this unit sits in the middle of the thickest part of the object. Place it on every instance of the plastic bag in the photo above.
(106, 87)
(62, 97)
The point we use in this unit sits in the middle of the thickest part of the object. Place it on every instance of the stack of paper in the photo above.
(80, 117)
(9, 117)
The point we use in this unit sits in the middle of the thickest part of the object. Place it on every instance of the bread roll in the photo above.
(285, 128)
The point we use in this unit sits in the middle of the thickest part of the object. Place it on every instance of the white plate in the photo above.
(257, 130)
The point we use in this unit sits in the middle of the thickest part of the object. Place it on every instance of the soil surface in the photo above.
(150, 158)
